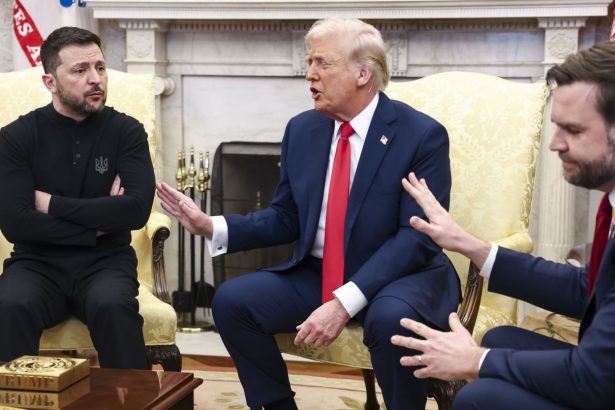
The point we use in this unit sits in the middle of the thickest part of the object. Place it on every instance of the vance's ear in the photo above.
(50, 82)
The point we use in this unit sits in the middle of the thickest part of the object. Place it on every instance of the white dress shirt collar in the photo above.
(360, 123)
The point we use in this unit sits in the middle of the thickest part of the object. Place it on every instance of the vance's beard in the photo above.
(599, 172)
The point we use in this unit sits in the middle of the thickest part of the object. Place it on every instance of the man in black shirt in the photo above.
(75, 178)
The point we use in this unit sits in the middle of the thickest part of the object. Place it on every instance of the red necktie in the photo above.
(337, 202)
(601, 236)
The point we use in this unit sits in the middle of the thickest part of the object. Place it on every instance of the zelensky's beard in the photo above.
(597, 173)
(79, 106)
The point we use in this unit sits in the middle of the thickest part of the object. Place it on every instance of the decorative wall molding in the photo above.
(143, 25)
(561, 37)
(475, 25)
(571, 23)
(237, 27)
(365, 9)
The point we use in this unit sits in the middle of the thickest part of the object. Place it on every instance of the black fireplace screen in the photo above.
(244, 178)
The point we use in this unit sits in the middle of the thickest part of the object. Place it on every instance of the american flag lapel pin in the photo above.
(384, 140)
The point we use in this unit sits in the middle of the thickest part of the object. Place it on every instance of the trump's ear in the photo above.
(364, 75)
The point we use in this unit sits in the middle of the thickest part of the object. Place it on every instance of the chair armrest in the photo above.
(520, 242)
(158, 229)
(468, 309)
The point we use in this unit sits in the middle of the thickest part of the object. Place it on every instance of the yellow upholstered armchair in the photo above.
(22, 91)
(494, 127)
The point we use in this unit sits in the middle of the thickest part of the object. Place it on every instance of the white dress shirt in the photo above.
(348, 294)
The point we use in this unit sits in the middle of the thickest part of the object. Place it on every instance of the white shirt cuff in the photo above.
(351, 297)
(482, 359)
(485, 271)
(218, 245)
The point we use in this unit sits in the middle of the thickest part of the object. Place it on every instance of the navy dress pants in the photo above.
(250, 309)
(100, 290)
(489, 393)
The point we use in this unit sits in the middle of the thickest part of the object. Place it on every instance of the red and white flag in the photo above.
(613, 26)
(33, 20)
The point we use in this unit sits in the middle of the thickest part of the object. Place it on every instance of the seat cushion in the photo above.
(159, 327)
(347, 350)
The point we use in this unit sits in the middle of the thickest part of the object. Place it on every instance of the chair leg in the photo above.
(167, 356)
(371, 402)
(444, 392)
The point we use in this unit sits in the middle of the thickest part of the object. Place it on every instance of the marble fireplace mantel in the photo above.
(365, 9)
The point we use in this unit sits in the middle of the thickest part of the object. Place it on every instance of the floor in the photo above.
(205, 351)
(208, 343)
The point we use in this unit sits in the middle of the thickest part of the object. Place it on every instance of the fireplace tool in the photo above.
(181, 298)
(203, 292)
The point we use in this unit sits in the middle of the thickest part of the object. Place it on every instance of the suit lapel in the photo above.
(606, 274)
(604, 283)
(317, 148)
(371, 158)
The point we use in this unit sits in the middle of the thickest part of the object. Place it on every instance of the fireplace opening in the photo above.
(244, 178)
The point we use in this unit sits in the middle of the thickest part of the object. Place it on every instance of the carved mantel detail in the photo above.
(146, 51)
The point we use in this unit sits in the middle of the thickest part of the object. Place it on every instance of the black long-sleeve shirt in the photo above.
(76, 162)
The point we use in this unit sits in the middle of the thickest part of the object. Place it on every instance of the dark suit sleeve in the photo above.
(557, 287)
(123, 212)
(274, 225)
(580, 377)
(407, 251)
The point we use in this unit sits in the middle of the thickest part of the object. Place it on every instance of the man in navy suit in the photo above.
(516, 368)
(388, 270)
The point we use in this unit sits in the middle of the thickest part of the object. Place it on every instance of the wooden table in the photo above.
(112, 389)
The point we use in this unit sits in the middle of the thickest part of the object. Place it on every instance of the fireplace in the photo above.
(244, 178)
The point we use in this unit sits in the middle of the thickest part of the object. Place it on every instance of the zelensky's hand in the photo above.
(450, 355)
(185, 210)
(41, 201)
(324, 325)
(116, 187)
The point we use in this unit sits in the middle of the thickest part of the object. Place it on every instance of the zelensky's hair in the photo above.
(60, 38)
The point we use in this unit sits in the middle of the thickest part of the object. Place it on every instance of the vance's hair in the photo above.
(595, 65)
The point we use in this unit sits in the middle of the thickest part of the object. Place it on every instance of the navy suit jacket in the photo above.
(380, 246)
(580, 377)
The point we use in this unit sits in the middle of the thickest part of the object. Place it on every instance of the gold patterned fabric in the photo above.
(494, 126)
(22, 91)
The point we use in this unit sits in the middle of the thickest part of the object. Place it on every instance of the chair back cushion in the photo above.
(494, 127)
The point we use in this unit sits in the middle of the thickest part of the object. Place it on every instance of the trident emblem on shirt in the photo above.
(101, 165)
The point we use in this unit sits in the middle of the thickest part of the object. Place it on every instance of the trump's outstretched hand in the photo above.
(185, 210)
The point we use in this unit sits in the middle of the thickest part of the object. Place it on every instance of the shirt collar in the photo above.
(612, 198)
(360, 123)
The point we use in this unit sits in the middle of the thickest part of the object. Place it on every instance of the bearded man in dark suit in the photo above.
(516, 368)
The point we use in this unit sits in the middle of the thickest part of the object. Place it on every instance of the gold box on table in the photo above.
(37, 382)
